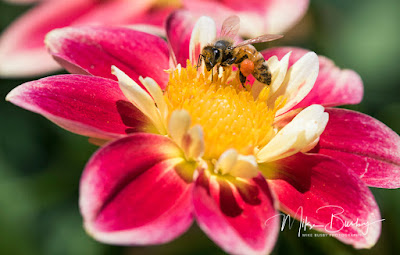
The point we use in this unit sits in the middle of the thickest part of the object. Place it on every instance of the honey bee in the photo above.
(224, 53)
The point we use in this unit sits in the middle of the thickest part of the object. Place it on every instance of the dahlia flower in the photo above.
(183, 144)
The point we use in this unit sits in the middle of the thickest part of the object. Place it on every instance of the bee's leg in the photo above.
(242, 78)
(240, 60)
(262, 73)
(229, 61)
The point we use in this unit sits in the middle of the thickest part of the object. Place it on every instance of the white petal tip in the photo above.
(114, 70)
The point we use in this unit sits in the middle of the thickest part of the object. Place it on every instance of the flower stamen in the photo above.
(227, 112)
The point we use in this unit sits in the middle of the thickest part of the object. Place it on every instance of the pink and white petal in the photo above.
(157, 94)
(131, 192)
(367, 146)
(213, 9)
(334, 86)
(237, 215)
(276, 16)
(257, 17)
(278, 71)
(193, 143)
(140, 98)
(114, 12)
(299, 80)
(325, 194)
(22, 43)
(282, 15)
(178, 125)
(153, 16)
(86, 105)
(179, 26)
(203, 33)
(297, 135)
(149, 29)
(93, 50)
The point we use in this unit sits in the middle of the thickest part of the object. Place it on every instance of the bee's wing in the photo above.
(230, 27)
(259, 39)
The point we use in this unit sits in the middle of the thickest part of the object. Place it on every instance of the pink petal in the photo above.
(282, 15)
(333, 86)
(153, 16)
(322, 192)
(365, 145)
(94, 50)
(249, 5)
(257, 17)
(179, 26)
(217, 11)
(22, 43)
(240, 218)
(114, 12)
(132, 193)
(86, 105)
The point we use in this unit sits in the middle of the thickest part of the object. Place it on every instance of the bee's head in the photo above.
(211, 56)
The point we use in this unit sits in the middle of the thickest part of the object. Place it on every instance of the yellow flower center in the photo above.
(228, 113)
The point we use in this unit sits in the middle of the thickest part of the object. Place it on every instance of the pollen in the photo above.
(229, 115)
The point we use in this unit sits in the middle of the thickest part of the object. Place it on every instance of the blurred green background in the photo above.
(40, 164)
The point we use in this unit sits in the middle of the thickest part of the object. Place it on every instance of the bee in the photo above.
(224, 53)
